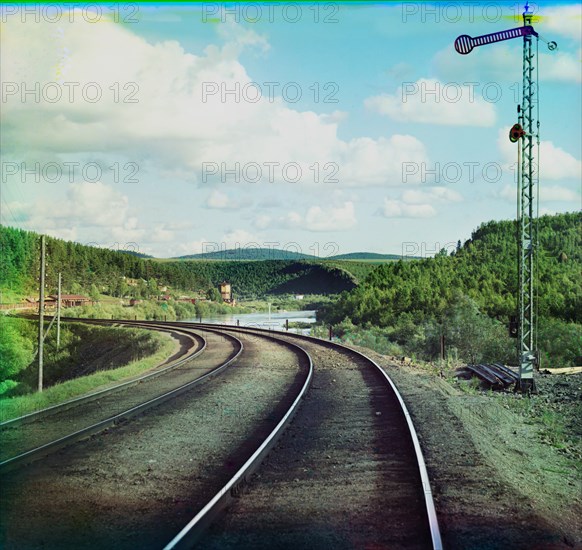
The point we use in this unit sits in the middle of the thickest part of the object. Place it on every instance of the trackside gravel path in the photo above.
(343, 475)
(138, 485)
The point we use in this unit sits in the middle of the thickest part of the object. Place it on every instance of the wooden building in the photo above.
(72, 300)
(49, 302)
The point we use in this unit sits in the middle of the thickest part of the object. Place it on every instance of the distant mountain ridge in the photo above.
(367, 256)
(249, 254)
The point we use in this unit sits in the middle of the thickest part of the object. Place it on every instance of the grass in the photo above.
(471, 386)
(59, 393)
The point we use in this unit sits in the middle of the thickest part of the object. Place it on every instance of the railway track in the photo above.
(138, 485)
(192, 344)
(348, 473)
(31, 437)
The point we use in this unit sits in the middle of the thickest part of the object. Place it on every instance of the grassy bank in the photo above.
(11, 407)
(554, 414)
(153, 310)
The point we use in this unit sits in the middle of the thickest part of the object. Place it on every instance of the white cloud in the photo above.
(555, 163)
(560, 66)
(509, 192)
(161, 234)
(221, 201)
(331, 219)
(548, 193)
(562, 20)
(317, 218)
(96, 204)
(366, 161)
(416, 203)
(240, 238)
(94, 208)
(262, 221)
(173, 124)
(414, 196)
(399, 209)
(197, 246)
(557, 193)
(433, 102)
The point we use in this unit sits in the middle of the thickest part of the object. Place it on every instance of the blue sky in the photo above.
(397, 143)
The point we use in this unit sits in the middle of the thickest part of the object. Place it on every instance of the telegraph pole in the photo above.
(59, 313)
(41, 312)
(528, 178)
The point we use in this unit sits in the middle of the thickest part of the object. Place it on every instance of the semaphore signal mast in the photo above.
(524, 133)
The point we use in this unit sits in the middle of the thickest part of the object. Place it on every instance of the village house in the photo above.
(72, 300)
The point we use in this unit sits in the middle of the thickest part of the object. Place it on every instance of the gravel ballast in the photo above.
(137, 485)
(342, 475)
(16, 439)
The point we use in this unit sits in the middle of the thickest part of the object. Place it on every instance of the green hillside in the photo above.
(249, 254)
(367, 256)
(470, 294)
(97, 271)
(257, 254)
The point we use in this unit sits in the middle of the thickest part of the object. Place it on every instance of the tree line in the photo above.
(417, 301)
(94, 271)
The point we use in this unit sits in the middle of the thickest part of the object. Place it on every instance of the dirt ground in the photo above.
(505, 470)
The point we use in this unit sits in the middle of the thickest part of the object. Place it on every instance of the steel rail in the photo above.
(193, 530)
(501, 374)
(48, 411)
(424, 477)
(42, 450)
(486, 374)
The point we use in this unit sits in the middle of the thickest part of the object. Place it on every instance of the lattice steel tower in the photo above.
(526, 132)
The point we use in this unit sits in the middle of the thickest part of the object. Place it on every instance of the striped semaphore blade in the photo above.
(464, 43)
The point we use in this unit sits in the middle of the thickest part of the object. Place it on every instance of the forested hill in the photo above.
(249, 254)
(367, 256)
(484, 269)
(97, 270)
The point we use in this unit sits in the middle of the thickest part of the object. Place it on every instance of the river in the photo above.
(274, 321)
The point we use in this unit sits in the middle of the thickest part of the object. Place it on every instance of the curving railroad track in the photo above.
(348, 472)
(34, 435)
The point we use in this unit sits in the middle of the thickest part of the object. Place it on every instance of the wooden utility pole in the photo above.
(59, 313)
(41, 312)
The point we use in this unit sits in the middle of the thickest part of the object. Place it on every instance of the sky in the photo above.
(323, 128)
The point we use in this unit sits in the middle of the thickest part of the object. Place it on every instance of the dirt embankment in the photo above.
(87, 349)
